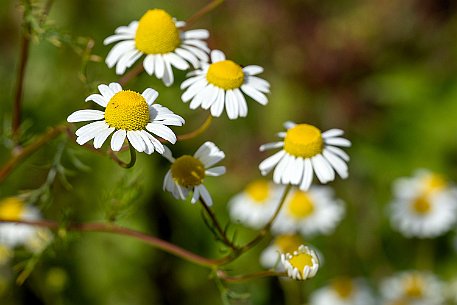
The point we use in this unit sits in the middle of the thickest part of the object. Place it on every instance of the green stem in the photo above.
(198, 131)
(122, 163)
(203, 11)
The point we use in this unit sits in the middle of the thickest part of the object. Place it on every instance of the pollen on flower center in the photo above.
(188, 171)
(422, 205)
(11, 208)
(414, 286)
(300, 205)
(225, 74)
(157, 33)
(288, 243)
(258, 191)
(301, 260)
(127, 110)
(303, 140)
(344, 287)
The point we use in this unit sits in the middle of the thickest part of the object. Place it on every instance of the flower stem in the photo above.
(203, 11)
(198, 131)
(137, 70)
(121, 163)
(246, 277)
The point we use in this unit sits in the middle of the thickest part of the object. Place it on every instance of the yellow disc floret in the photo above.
(157, 33)
(258, 191)
(225, 74)
(304, 141)
(288, 243)
(344, 287)
(301, 260)
(11, 208)
(188, 171)
(300, 205)
(127, 110)
(421, 205)
(414, 286)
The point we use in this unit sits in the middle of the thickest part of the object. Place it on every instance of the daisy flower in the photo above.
(222, 83)
(271, 256)
(343, 291)
(312, 212)
(414, 288)
(160, 38)
(424, 205)
(301, 264)
(127, 114)
(305, 149)
(188, 172)
(256, 204)
(13, 234)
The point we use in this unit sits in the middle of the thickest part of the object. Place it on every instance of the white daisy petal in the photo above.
(90, 128)
(217, 55)
(168, 77)
(196, 195)
(211, 93)
(198, 43)
(205, 195)
(258, 84)
(307, 175)
(323, 170)
(149, 64)
(215, 171)
(150, 95)
(168, 155)
(193, 90)
(89, 135)
(231, 105)
(339, 152)
(85, 115)
(339, 165)
(242, 106)
(106, 91)
(332, 133)
(196, 34)
(117, 140)
(115, 87)
(338, 142)
(297, 173)
(255, 94)
(201, 55)
(188, 56)
(271, 146)
(190, 81)
(218, 106)
(252, 70)
(97, 98)
(136, 140)
(162, 131)
(115, 38)
(267, 165)
(159, 66)
(159, 147)
(279, 171)
(102, 136)
(118, 51)
(177, 61)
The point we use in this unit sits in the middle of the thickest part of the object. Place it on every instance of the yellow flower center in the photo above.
(157, 33)
(188, 171)
(288, 243)
(225, 74)
(303, 140)
(301, 260)
(422, 205)
(414, 286)
(344, 287)
(127, 110)
(11, 208)
(258, 191)
(434, 183)
(300, 205)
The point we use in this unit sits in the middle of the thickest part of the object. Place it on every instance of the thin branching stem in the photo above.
(121, 163)
(203, 11)
(198, 131)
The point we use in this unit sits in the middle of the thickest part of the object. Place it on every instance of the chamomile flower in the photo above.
(160, 38)
(256, 204)
(12, 234)
(223, 82)
(306, 150)
(413, 288)
(315, 211)
(187, 173)
(271, 256)
(424, 205)
(301, 264)
(343, 291)
(127, 114)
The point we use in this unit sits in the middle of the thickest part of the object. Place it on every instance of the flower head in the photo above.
(271, 256)
(424, 205)
(159, 37)
(301, 264)
(129, 115)
(305, 149)
(187, 172)
(343, 291)
(256, 204)
(311, 212)
(222, 83)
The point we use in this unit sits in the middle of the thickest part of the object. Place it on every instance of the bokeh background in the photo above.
(384, 71)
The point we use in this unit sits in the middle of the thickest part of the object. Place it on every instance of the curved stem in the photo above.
(246, 277)
(203, 11)
(121, 163)
(119, 230)
(137, 70)
(198, 131)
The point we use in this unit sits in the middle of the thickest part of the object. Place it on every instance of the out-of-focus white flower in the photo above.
(343, 291)
(271, 256)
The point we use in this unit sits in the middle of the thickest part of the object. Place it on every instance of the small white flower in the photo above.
(343, 291)
(12, 234)
(188, 172)
(221, 83)
(301, 264)
(129, 115)
(313, 212)
(256, 204)
(413, 288)
(158, 36)
(306, 151)
(271, 255)
(424, 206)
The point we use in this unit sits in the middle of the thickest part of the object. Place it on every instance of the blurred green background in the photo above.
(384, 71)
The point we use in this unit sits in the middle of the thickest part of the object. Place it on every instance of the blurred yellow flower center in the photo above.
(304, 141)
(301, 260)
(11, 208)
(188, 171)
(157, 33)
(127, 110)
(434, 183)
(300, 205)
(344, 287)
(414, 286)
(422, 205)
(288, 243)
(225, 74)
(258, 191)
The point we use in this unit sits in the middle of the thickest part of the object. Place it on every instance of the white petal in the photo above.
(255, 94)
(159, 66)
(252, 70)
(127, 60)
(168, 77)
(131, 28)
(102, 136)
(115, 87)
(191, 81)
(258, 84)
(339, 152)
(150, 95)
(201, 55)
(90, 134)
(193, 90)
(307, 175)
(215, 171)
(97, 98)
(280, 169)
(196, 195)
(271, 146)
(148, 64)
(211, 93)
(157, 145)
(168, 155)
(288, 171)
(242, 106)
(205, 149)
(198, 43)
(117, 51)
(149, 147)
(205, 195)
(162, 131)
(217, 55)
(231, 105)
(289, 124)
(338, 142)
(332, 133)
(189, 57)
(90, 128)
(266, 165)
(136, 140)
(177, 61)
(85, 115)
(323, 170)
(119, 37)
(339, 165)
(106, 91)
(117, 140)
(196, 34)
(297, 172)
(218, 106)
